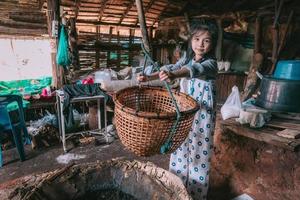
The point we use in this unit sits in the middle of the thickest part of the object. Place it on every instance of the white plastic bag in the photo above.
(232, 106)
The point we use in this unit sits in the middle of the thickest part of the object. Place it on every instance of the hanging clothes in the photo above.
(62, 56)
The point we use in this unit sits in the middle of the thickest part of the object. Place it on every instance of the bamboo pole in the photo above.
(143, 27)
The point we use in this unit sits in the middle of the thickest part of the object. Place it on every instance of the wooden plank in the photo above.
(267, 135)
(289, 133)
(284, 123)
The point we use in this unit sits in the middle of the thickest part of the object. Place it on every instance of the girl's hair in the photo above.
(203, 25)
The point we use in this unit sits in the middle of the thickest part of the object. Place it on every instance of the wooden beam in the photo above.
(4, 30)
(258, 32)
(103, 5)
(119, 52)
(53, 14)
(97, 50)
(105, 23)
(275, 31)
(282, 42)
(109, 41)
(131, 41)
(126, 11)
(257, 60)
(33, 17)
(156, 20)
(77, 8)
(219, 46)
(25, 25)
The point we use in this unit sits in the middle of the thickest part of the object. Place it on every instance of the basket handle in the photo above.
(168, 144)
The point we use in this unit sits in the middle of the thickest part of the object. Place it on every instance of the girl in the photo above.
(198, 69)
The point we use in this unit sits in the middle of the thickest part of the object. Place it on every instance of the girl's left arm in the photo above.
(171, 75)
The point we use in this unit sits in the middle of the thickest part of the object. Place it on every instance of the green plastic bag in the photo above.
(62, 57)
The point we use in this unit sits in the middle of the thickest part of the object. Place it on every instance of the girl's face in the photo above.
(201, 44)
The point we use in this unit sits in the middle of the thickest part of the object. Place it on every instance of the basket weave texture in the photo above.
(144, 117)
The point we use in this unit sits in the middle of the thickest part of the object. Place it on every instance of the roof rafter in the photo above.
(146, 10)
(132, 3)
(103, 5)
(77, 8)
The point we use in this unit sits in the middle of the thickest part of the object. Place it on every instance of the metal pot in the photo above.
(280, 95)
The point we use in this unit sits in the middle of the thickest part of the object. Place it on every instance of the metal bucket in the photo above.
(279, 95)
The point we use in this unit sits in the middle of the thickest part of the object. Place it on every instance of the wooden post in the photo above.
(257, 60)
(73, 37)
(97, 50)
(150, 33)
(275, 34)
(219, 46)
(53, 14)
(282, 42)
(119, 51)
(131, 41)
(109, 40)
(257, 42)
(143, 27)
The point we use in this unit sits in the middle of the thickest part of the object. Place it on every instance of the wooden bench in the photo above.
(270, 132)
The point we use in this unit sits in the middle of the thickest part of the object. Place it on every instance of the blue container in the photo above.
(288, 69)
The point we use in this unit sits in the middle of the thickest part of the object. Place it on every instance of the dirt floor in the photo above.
(239, 165)
(43, 160)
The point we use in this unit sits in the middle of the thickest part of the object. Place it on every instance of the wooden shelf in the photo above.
(41, 103)
(267, 133)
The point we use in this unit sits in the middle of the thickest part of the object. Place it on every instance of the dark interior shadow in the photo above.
(221, 192)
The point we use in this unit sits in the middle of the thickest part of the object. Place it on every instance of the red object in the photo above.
(88, 81)
(44, 92)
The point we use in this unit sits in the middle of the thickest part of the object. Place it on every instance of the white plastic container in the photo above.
(103, 76)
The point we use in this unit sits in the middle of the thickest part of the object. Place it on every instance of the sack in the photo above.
(62, 57)
(232, 106)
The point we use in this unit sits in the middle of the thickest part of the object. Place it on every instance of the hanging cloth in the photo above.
(62, 57)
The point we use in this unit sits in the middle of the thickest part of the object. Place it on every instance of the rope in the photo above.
(139, 94)
(168, 144)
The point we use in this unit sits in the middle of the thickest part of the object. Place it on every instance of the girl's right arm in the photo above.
(164, 71)
(144, 78)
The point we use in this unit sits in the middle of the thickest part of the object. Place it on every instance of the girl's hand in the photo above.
(141, 78)
(166, 76)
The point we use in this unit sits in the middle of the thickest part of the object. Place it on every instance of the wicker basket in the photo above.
(146, 130)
